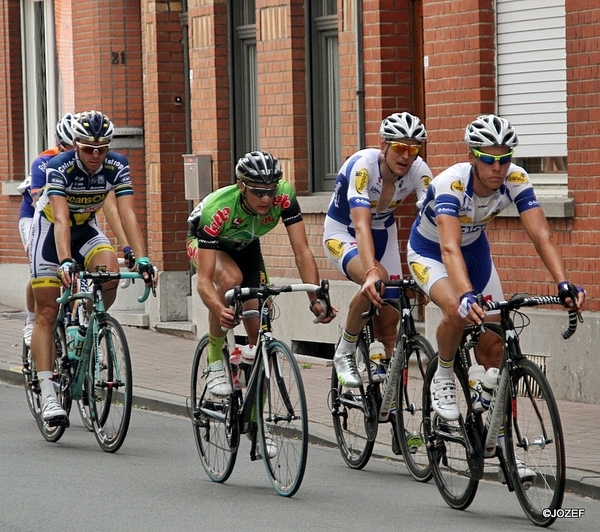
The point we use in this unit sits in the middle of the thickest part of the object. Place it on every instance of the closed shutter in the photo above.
(532, 75)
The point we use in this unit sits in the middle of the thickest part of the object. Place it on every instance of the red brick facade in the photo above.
(144, 87)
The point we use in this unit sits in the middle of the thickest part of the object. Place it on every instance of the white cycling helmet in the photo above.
(402, 126)
(64, 130)
(490, 130)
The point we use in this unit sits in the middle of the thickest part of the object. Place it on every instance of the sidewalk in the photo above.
(161, 374)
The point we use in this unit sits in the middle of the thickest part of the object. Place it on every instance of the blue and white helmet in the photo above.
(93, 126)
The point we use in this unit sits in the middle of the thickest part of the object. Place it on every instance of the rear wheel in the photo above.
(409, 407)
(535, 445)
(353, 415)
(214, 420)
(448, 443)
(61, 380)
(109, 385)
(283, 420)
(32, 389)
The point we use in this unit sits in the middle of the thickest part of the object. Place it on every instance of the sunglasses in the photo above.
(400, 147)
(486, 158)
(261, 192)
(94, 150)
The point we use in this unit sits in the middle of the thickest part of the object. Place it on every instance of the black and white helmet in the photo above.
(258, 167)
(403, 126)
(490, 130)
(64, 130)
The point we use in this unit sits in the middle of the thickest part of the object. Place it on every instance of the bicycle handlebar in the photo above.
(103, 276)
(521, 300)
(389, 283)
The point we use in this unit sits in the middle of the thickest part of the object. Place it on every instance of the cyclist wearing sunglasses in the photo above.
(65, 233)
(360, 236)
(449, 254)
(223, 245)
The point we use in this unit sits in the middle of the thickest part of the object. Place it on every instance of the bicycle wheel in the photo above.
(283, 420)
(447, 443)
(409, 416)
(214, 420)
(534, 439)
(109, 386)
(62, 385)
(352, 413)
(83, 406)
(30, 381)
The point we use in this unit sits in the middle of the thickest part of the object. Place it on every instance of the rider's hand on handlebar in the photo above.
(470, 307)
(322, 313)
(373, 288)
(227, 318)
(129, 257)
(67, 272)
(571, 296)
(147, 271)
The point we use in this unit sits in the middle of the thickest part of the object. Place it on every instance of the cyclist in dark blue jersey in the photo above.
(65, 233)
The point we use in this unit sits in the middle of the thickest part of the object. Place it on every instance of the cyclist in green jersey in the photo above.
(223, 245)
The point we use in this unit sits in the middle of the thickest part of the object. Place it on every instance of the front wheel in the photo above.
(30, 381)
(214, 420)
(282, 420)
(109, 384)
(535, 448)
(448, 444)
(409, 406)
(353, 415)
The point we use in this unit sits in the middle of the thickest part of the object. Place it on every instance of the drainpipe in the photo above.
(360, 82)
(186, 75)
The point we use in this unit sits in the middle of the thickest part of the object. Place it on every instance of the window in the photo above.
(532, 84)
(325, 94)
(39, 76)
(244, 82)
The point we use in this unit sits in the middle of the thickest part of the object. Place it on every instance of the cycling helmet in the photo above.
(258, 167)
(490, 130)
(93, 126)
(402, 126)
(64, 130)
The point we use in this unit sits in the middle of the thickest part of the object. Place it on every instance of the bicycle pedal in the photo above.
(58, 422)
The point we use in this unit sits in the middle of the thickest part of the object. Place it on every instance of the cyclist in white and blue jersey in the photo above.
(360, 234)
(448, 251)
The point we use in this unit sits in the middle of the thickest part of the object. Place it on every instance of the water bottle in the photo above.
(248, 354)
(376, 356)
(476, 375)
(235, 357)
(490, 381)
(71, 337)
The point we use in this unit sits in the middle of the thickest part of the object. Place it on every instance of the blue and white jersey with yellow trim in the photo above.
(359, 184)
(85, 194)
(451, 193)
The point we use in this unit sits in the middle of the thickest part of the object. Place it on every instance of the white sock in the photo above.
(30, 317)
(46, 384)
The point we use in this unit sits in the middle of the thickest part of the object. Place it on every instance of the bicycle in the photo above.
(272, 411)
(96, 374)
(522, 403)
(357, 412)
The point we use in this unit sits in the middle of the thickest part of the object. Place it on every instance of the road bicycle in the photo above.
(522, 406)
(357, 412)
(272, 409)
(97, 373)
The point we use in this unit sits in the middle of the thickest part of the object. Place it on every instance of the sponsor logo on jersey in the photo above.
(335, 247)
(518, 178)
(218, 219)
(420, 272)
(361, 180)
(86, 200)
(267, 220)
(237, 221)
(282, 200)
(457, 186)
(426, 180)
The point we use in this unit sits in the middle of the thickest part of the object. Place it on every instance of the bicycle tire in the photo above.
(83, 407)
(448, 457)
(350, 411)
(110, 385)
(214, 421)
(283, 418)
(62, 387)
(409, 404)
(30, 380)
(540, 447)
